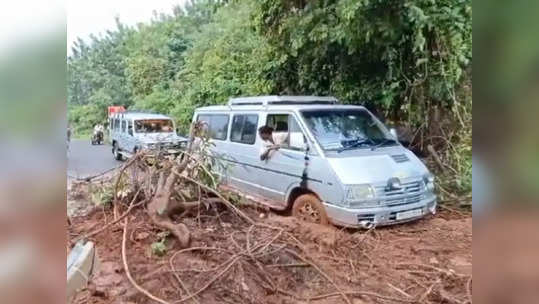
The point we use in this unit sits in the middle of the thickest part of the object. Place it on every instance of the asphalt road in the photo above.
(85, 160)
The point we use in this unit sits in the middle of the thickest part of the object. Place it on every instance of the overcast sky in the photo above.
(85, 17)
(23, 20)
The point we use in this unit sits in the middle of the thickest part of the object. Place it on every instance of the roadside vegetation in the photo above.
(407, 61)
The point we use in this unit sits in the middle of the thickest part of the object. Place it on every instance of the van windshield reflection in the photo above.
(339, 130)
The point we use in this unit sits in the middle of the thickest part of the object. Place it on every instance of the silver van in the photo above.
(132, 131)
(336, 163)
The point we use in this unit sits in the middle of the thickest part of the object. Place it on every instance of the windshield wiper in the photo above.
(383, 142)
(357, 142)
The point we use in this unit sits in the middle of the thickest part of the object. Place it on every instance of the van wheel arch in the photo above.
(297, 192)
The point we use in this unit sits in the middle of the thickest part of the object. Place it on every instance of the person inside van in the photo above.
(280, 133)
(268, 145)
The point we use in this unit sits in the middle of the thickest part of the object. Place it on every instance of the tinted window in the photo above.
(217, 125)
(244, 129)
(123, 125)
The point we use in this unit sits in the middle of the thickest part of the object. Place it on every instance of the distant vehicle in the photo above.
(336, 163)
(134, 131)
(97, 138)
(115, 110)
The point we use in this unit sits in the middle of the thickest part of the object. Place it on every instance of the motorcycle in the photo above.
(97, 138)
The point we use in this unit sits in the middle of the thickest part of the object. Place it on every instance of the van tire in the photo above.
(116, 151)
(309, 208)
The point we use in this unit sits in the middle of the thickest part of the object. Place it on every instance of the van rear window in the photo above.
(217, 125)
(244, 129)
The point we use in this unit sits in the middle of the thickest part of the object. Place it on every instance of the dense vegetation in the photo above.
(407, 60)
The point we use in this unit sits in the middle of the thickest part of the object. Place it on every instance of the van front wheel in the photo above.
(309, 208)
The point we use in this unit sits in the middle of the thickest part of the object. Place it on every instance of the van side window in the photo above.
(123, 126)
(285, 127)
(217, 125)
(244, 128)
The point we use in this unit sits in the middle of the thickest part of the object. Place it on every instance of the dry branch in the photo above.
(132, 206)
(346, 299)
(436, 157)
(126, 268)
(219, 195)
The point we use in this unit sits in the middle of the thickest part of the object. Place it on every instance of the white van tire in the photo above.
(116, 151)
(309, 208)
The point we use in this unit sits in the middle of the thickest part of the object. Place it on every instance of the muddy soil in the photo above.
(426, 261)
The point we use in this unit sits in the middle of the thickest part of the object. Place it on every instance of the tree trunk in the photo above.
(163, 205)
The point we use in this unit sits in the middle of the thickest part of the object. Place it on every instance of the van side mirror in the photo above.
(298, 141)
(394, 133)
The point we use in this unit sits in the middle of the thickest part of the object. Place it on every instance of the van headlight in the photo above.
(356, 194)
(428, 179)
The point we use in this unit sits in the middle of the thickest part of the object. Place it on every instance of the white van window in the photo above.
(284, 126)
(217, 125)
(244, 128)
(123, 126)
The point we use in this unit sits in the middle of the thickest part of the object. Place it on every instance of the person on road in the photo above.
(268, 145)
(98, 128)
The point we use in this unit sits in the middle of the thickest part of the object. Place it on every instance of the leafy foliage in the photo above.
(397, 56)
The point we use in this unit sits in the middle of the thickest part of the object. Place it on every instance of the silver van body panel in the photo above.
(328, 174)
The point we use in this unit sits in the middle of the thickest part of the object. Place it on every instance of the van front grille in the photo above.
(407, 188)
(410, 193)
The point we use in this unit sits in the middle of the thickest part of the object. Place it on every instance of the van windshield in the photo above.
(346, 129)
(154, 126)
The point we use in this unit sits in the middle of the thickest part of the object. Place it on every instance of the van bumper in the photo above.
(380, 216)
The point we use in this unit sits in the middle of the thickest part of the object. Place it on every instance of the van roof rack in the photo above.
(281, 100)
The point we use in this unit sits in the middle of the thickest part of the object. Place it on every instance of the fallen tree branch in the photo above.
(131, 207)
(436, 157)
(116, 184)
(89, 178)
(428, 292)
(126, 268)
(223, 199)
(469, 289)
(361, 293)
(230, 262)
(346, 299)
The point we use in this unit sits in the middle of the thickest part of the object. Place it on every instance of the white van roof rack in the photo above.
(281, 100)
